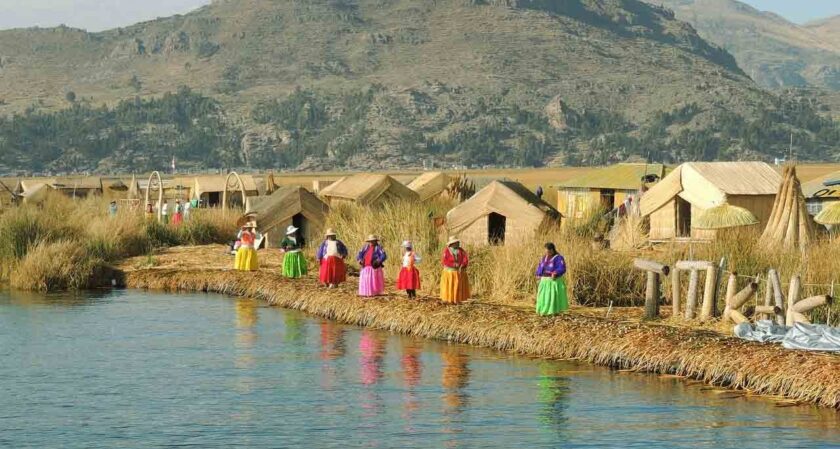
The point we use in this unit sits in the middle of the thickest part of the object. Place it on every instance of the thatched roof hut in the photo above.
(605, 188)
(77, 187)
(822, 192)
(367, 189)
(430, 185)
(210, 189)
(503, 212)
(34, 192)
(288, 205)
(675, 202)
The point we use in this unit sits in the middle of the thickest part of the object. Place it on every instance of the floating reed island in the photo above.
(622, 343)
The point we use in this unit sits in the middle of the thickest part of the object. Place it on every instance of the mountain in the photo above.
(827, 30)
(322, 84)
(773, 51)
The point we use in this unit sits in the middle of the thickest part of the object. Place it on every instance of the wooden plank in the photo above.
(649, 265)
(693, 265)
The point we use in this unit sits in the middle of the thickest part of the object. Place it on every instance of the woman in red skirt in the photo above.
(331, 255)
(409, 279)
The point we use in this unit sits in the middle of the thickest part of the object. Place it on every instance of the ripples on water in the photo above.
(134, 369)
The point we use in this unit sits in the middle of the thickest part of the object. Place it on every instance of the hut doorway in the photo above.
(214, 199)
(607, 199)
(683, 209)
(300, 222)
(496, 228)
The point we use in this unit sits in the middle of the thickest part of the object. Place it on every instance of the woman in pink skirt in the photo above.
(409, 279)
(372, 277)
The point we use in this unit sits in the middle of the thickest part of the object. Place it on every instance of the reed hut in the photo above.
(320, 184)
(606, 188)
(504, 212)
(34, 192)
(674, 203)
(173, 189)
(430, 185)
(822, 192)
(367, 189)
(77, 187)
(288, 205)
(210, 189)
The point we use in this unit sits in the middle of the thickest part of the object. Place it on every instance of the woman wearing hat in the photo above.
(409, 278)
(372, 277)
(454, 283)
(330, 256)
(294, 264)
(246, 254)
(551, 295)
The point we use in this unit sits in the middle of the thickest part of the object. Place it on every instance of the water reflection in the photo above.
(295, 328)
(333, 347)
(553, 394)
(246, 340)
(412, 373)
(371, 356)
(456, 377)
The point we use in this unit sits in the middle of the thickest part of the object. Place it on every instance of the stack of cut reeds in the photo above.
(790, 226)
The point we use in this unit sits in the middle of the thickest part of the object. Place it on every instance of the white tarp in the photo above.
(806, 337)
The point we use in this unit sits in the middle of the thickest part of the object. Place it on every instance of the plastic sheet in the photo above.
(806, 337)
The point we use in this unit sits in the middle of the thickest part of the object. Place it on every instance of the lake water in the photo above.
(137, 369)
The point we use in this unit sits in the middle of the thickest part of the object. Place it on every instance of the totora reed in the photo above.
(632, 345)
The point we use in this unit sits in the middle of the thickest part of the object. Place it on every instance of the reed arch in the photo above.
(228, 185)
(156, 174)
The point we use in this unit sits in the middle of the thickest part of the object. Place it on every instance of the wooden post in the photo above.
(793, 297)
(797, 317)
(731, 285)
(767, 310)
(652, 296)
(691, 297)
(737, 317)
(675, 293)
(654, 271)
(779, 300)
(709, 293)
(768, 298)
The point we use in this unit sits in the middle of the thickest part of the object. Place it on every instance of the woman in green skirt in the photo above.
(294, 264)
(551, 295)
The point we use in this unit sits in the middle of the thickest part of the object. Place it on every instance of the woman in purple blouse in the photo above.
(551, 295)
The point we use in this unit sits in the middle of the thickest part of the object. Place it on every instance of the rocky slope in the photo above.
(773, 51)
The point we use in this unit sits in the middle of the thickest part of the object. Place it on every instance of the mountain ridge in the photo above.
(383, 83)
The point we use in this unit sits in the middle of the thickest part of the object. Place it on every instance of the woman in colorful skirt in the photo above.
(330, 256)
(178, 216)
(409, 278)
(372, 277)
(454, 282)
(551, 295)
(246, 254)
(294, 264)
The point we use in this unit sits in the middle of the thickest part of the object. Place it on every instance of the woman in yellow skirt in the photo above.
(454, 282)
(246, 255)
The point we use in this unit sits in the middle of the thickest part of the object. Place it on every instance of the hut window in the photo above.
(496, 228)
(814, 207)
(683, 218)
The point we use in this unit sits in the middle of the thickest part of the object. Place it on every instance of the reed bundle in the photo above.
(790, 225)
(724, 216)
(710, 357)
(829, 216)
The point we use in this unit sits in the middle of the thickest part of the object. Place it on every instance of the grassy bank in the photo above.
(70, 244)
(624, 344)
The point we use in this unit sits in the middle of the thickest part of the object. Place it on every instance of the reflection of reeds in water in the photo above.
(246, 336)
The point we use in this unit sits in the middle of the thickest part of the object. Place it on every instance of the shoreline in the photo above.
(617, 343)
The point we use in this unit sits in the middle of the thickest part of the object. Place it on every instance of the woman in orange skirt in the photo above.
(454, 282)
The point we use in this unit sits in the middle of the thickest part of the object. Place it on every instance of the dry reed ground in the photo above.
(620, 341)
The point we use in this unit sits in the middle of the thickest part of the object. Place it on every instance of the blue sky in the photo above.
(799, 11)
(97, 15)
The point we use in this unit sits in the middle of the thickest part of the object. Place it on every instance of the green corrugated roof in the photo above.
(616, 177)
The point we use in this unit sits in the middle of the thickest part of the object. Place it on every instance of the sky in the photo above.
(98, 15)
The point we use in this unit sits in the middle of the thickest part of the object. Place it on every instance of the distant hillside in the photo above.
(321, 84)
(772, 50)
